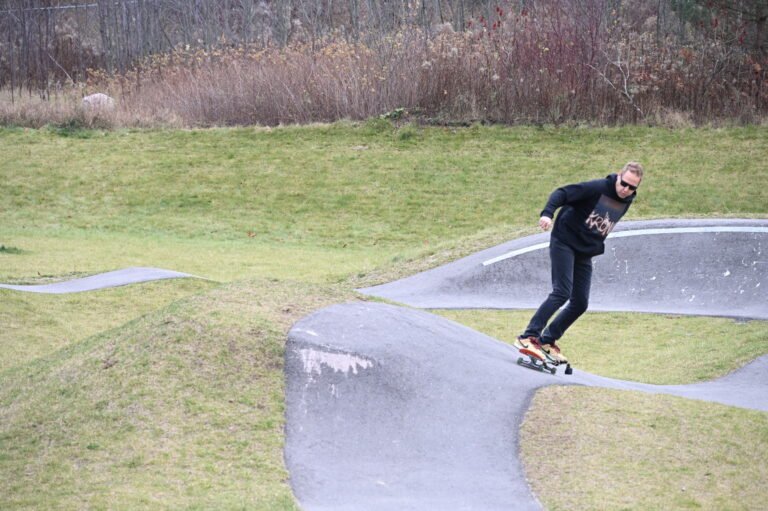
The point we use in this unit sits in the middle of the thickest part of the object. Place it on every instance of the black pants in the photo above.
(571, 281)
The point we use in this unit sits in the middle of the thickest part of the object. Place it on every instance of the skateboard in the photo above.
(537, 363)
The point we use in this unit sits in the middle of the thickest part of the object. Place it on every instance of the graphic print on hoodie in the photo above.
(606, 215)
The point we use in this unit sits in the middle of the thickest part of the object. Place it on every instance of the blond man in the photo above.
(588, 213)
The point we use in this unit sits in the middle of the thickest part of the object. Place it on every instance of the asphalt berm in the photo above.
(393, 408)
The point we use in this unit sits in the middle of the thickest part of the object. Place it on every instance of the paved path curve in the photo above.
(102, 280)
(392, 408)
(705, 267)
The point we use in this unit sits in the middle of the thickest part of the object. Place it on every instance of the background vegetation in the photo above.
(172, 63)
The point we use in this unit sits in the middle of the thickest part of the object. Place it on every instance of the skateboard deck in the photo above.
(540, 363)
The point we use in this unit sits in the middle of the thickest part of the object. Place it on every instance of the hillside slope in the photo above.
(180, 408)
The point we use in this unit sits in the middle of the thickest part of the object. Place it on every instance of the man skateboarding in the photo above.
(588, 213)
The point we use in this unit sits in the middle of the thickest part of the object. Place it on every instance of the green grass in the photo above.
(87, 253)
(340, 186)
(650, 348)
(181, 408)
(170, 394)
(36, 325)
(9, 250)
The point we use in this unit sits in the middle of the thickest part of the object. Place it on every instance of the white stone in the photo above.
(98, 101)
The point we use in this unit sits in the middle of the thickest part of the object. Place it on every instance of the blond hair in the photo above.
(633, 167)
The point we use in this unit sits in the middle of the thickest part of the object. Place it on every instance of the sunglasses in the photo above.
(627, 185)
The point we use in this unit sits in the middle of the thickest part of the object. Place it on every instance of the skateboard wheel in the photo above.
(520, 361)
(553, 370)
(568, 369)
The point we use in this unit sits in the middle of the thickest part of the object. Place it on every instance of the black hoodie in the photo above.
(589, 213)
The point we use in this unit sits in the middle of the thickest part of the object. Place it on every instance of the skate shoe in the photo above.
(553, 350)
(526, 342)
(532, 344)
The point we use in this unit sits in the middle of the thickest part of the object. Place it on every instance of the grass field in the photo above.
(170, 394)
(649, 348)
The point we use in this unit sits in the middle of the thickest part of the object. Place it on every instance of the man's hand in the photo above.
(545, 223)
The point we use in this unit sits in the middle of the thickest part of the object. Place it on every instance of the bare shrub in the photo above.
(563, 62)
(35, 112)
(555, 67)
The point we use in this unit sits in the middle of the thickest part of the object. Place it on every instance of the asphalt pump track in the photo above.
(703, 267)
(115, 278)
(393, 408)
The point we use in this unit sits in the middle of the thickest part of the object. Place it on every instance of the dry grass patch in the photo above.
(626, 450)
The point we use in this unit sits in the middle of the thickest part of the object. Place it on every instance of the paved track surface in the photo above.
(703, 267)
(391, 408)
(103, 280)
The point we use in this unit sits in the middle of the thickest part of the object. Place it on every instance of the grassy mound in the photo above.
(36, 325)
(182, 408)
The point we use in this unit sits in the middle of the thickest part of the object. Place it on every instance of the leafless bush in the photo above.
(64, 110)
(515, 68)
(564, 62)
